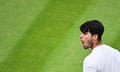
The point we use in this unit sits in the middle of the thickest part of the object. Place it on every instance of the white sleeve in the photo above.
(88, 67)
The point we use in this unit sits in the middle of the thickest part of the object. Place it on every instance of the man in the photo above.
(103, 58)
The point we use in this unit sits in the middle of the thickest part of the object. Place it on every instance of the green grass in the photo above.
(43, 35)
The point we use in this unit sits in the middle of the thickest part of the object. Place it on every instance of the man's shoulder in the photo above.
(90, 61)
(91, 58)
(111, 49)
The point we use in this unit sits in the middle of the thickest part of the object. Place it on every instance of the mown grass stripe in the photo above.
(44, 36)
(15, 18)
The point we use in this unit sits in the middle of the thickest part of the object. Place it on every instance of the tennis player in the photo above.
(103, 58)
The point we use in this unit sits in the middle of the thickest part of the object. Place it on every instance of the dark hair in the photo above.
(94, 27)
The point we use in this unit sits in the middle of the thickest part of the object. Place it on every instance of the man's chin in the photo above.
(85, 47)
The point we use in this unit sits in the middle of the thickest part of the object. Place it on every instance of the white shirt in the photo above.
(103, 58)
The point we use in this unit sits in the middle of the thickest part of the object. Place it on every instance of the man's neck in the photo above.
(96, 44)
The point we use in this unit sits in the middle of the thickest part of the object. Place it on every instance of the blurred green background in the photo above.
(43, 35)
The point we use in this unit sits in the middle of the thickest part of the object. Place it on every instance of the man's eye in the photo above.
(85, 33)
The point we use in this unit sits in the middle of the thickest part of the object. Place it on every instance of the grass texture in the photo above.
(43, 35)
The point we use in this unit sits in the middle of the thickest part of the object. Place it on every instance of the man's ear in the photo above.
(95, 37)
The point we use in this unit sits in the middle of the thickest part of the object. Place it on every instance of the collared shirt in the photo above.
(103, 58)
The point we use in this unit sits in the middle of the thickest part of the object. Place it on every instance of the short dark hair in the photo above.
(94, 27)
